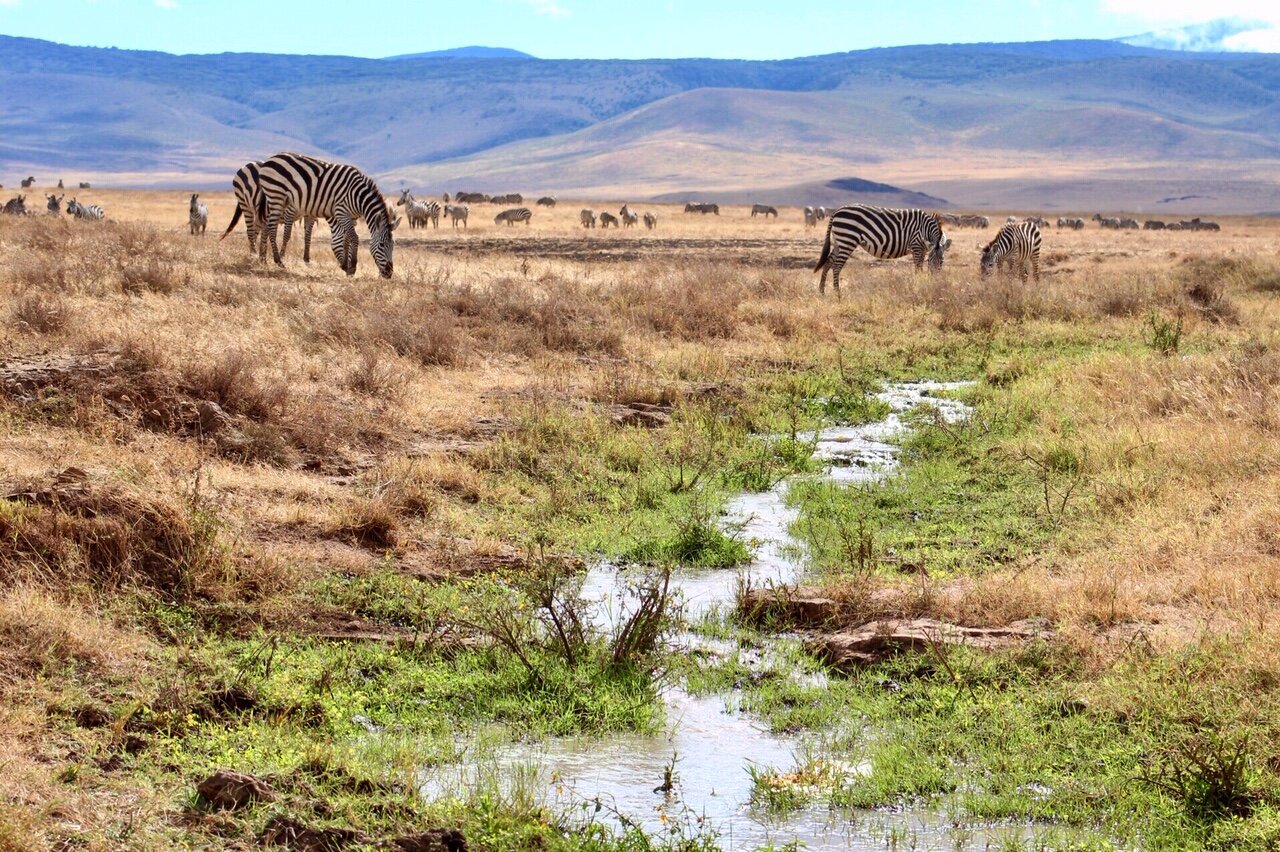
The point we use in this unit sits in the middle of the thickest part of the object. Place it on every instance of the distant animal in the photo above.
(84, 184)
(1129, 224)
(607, 219)
(393, 216)
(471, 198)
(1016, 244)
(810, 218)
(981, 222)
(1074, 223)
(1153, 225)
(702, 207)
(1038, 221)
(821, 213)
(650, 221)
(1173, 226)
(587, 218)
(949, 219)
(883, 233)
(1109, 222)
(458, 213)
(419, 212)
(516, 214)
(28, 182)
(1197, 224)
(763, 210)
(511, 198)
(16, 206)
(59, 183)
(245, 187)
(197, 216)
(54, 204)
(628, 218)
(341, 193)
(1011, 219)
(547, 201)
(86, 211)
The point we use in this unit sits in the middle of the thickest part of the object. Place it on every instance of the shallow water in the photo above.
(712, 743)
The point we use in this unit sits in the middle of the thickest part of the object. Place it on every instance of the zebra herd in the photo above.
(17, 206)
(626, 218)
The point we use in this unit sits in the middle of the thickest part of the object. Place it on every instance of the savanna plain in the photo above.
(328, 532)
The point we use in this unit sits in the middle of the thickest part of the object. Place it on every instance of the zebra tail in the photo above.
(826, 251)
(235, 217)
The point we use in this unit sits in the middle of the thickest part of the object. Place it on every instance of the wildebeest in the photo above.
(1197, 224)
(763, 210)
(975, 222)
(547, 201)
(470, 198)
(1153, 225)
(702, 207)
(510, 198)
(1129, 224)
(587, 218)
(84, 184)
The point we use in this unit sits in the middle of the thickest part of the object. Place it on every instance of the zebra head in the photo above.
(405, 198)
(73, 207)
(991, 255)
(380, 243)
(195, 204)
(935, 239)
(55, 203)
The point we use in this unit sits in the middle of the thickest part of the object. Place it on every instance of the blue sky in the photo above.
(747, 29)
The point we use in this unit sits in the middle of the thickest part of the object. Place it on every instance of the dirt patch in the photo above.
(877, 641)
(787, 254)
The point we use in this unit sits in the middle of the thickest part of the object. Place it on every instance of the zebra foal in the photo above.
(1017, 243)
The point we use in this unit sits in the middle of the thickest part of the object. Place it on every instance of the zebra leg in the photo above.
(288, 231)
(307, 224)
(273, 221)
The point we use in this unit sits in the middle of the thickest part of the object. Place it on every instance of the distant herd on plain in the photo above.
(287, 187)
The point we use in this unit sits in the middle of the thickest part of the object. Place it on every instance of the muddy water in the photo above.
(712, 743)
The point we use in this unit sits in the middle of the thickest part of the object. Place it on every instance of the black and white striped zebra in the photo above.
(587, 218)
(86, 211)
(197, 216)
(458, 213)
(515, 214)
(1016, 244)
(419, 212)
(882, 232)
(628, 217)
(607, 219)
(763, 210)
(16, 206)
(54, 203)
(306, 186)
(244, 185)
(650, 221)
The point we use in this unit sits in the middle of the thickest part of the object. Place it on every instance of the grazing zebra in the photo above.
(607, 219)
(457, 213)
(244, 185)
(981, 222)
(1038, 221)
(650, 221)
(1016, 243)
(16, 206)
(86, 211)
(1129, 224)
(84, 184)
(1197, 225)
(197, 216)
(546, 201)
(54, 203)
(1074, 223)
(763, 209)
(949, 219)
(587, 218)
(515, 214)
(28, 182)
(1153, 225)
(305, 186)
(628, 218)
(883, 233)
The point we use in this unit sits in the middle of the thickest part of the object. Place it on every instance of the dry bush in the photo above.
(39, 633)
(414, 486)
(233, 380)
(366, 521)
(557, 314)
(624, 382)
(377, 374)
(42, 313)
(688, 301)
(409, 322)
(1211, 302)
(147, 274)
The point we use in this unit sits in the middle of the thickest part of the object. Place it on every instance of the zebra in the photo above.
(821, 213)
(650, 221)
(84, 184)
(949, 219)
(763, 209)
(16, 206)
(1197, 224)
(1016, 243)
(197, 216)
(341, 193)
(546, 201)
(54, 203)
(1153, 225)
(628, 218)
(1038, 221)
(28, 182)
(883, 233)
(607, 219)
(244, 185)
(1129, 224)
(86, 211)
(587, 218)
(1010, 220)
(458, 213)
(810, 218)
(419, 212)
(1074, 224)
(981, 222)
(515, 214)
(1173, 226)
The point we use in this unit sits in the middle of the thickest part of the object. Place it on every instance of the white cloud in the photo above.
(9, 2)
(1237, 25)
(548, 7)
(1179, 12)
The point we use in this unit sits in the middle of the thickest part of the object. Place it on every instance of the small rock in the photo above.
(877, 641)
(226, 790)
(639, 414)
(288, 832)
(788, 606)
(213, 419)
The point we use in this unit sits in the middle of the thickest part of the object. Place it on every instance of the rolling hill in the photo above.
(1065, 124)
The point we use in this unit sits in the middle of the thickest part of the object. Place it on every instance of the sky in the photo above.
(613, 29)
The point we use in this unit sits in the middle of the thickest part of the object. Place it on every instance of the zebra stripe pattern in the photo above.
(340, 193)
(1016, 243)
(763, 210)
(516, 214)
(197, 216)
(246, 190)
(54, 204)
(86, 211)
(883, 233)
(419, 212)
(629, 219)
(458, 213)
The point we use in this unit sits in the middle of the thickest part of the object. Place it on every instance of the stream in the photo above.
(715, 744)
